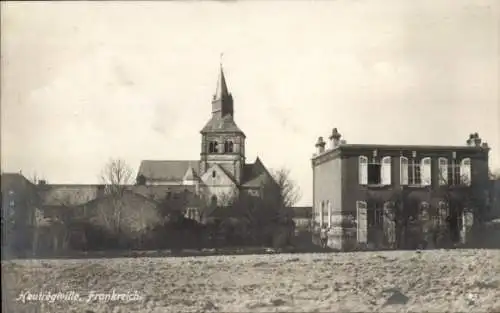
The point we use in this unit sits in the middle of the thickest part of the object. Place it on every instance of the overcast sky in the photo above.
(86, 81)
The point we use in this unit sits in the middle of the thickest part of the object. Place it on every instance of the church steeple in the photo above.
(222, 102)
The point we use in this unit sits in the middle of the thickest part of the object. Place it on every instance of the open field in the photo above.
(436, 281)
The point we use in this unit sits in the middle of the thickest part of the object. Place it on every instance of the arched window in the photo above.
(141, 180)
(425, 165)
(465, 172)
(228, 146)
(363, 170)
(443, 171)
(404, 170)
(385, 170)
(212, 147)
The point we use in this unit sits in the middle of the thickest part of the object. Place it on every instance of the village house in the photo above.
(19, 203)
(199, 188)
(360, 189)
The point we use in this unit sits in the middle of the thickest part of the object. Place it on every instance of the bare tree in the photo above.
(116, 177)
(288, 190)
(270, 212)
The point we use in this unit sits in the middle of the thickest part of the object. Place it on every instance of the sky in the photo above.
(83, 82)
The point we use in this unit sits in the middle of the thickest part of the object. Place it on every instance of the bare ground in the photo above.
(398, 281)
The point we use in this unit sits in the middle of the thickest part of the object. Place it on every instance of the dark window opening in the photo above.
(212, 147)
(213, 174)
(414, 173)
(228, 146)
(141, 180)
(374, 176)
(454, 173)
(375, 217)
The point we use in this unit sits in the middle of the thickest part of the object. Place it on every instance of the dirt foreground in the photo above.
(432, 281)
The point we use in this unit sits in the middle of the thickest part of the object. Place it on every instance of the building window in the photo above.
(465, 172)
(374, 172)
(442, 213)
(425, 165)
(411, 171)
(414, 173)
(443, 171)
(214, 174)
(213, 147)
(423, 214)
(403, 161)
(375, 216)
(385, 171)
(362, 225)
(228, 146)
(456, 172)
(363, 170)
(141, 180)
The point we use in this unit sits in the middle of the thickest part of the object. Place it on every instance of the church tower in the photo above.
(222, 141)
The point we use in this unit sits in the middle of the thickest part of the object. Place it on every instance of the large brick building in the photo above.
(356, 187)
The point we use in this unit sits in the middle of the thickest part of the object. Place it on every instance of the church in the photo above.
(221, 169)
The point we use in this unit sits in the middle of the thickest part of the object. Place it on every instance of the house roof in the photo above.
(167, 170)
(255, 175)
(190, 174)
(69, 195)
(159, 193)
(222, 124)
(15, 181)
(302, 211)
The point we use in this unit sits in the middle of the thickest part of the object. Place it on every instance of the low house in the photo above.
(302, 216)
(19, 203)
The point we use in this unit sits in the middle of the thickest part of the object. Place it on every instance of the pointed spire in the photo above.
(221, 90)
(222, 102)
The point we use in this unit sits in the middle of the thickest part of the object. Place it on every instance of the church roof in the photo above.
(190, 174)
(222, 124)
(160, 192)
(221, 91)
(255, 175)
(167, 170)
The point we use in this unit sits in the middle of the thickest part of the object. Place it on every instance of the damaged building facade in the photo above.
(369, 196)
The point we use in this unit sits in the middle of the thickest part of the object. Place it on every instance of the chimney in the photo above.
(320, 145)
(334, 138)
(477, 140)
